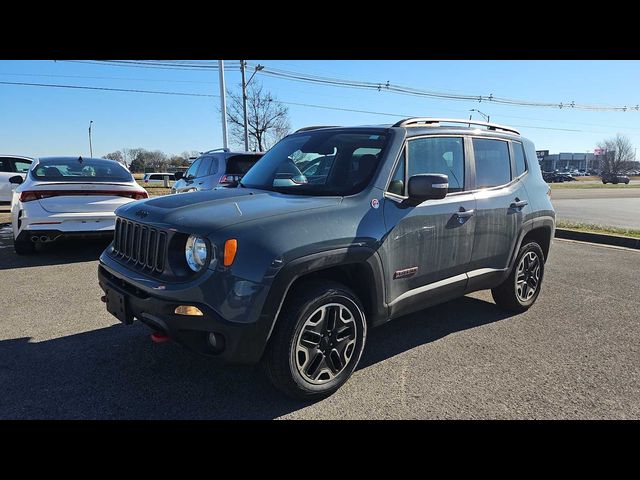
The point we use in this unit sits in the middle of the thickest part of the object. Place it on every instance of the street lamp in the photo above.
(90, 146)
(485, 116)
(244, 99)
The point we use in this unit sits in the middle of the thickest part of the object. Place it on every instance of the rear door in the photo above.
(502, 202)
(10, 167)
(6, 172)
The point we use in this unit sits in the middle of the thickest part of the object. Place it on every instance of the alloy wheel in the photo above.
(326, 343)
(528, 276)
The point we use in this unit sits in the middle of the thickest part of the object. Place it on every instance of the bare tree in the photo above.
(268, 118)
(117, 156)
(618, 154)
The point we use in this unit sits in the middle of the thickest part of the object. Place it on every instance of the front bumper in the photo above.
(238, 343)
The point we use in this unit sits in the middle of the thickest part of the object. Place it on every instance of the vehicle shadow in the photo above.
(428, 325)
(55, 253)
(117, 373)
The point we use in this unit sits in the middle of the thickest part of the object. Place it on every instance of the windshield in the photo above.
(319, 163)
(87, 170)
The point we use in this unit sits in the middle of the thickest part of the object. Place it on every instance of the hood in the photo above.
(207, 211)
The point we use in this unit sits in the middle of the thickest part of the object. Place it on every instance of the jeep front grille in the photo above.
(143, 246)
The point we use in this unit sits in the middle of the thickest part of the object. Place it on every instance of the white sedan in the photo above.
(69, 197)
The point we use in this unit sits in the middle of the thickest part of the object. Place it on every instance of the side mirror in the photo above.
(428, 186)
(178, 175)
(16, 179)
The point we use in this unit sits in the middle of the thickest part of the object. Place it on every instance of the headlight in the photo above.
(196, 252)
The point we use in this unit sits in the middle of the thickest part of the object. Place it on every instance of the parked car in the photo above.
(64, 197)
(614, 178)
(565, 177)
(157, 178)
(407, 216)
(215, 168)
(10, 166)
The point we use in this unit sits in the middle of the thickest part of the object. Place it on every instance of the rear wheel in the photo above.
(24, 248)
(522, 287)
(318, 341)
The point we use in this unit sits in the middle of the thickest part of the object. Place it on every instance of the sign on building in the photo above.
(541, 154)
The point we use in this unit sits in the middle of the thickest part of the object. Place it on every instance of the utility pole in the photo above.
(244, 107)
(223, 105)
(90, 146)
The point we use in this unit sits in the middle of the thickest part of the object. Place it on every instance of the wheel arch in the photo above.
(358, 268)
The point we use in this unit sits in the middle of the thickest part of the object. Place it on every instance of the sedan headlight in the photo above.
(196, 252)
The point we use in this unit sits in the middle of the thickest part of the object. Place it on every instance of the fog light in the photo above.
(189, 310)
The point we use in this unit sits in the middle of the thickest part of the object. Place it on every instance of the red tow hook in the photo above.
(158, 337)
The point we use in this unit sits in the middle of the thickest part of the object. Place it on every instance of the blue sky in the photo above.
(39, 121)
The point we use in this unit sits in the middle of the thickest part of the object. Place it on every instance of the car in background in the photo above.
(158, 178)
(614, 178)
(215, 168)
(565, 177)
(64, 197)
(11, 166)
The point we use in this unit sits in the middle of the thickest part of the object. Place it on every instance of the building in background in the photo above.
(568, 162)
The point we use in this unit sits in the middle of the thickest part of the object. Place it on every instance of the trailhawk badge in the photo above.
(375, 203)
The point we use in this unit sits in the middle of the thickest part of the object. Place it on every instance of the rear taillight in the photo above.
(31, 195)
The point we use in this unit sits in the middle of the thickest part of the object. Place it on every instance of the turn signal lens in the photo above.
(230, 249)
(189, 310)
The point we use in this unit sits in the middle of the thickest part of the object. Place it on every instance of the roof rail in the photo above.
(315, 127)
(418, 121)
(217, 150)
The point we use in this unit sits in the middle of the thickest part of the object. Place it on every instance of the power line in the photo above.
(105, 78)
(190, 94)
(83, 87)
(379, 86)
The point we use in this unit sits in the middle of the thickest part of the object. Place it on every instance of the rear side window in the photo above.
(240, 164)
(493, 166)
(213, 169)
(5, 165)
(21, 166)
(443, 155)
(518, 156)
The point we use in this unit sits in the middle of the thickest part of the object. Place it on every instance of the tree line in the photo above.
(139, 159)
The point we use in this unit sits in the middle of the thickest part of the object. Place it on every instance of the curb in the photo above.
(603, 238)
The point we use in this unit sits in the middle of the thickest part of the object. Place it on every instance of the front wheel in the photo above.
(522, 287)
(318, 341)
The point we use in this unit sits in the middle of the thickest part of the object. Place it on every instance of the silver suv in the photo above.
(215, 168)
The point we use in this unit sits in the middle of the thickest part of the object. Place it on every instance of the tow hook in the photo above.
(158, 337)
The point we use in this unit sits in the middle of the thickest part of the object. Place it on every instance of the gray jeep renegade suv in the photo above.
(335, 230)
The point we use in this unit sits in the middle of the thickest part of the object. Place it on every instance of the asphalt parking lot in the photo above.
(617, 207)
(574, 355)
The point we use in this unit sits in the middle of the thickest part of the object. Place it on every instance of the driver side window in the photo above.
(193, 169)
(443, 155)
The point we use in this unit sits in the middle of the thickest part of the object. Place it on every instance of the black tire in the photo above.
(282, 358)
(506, 295)
(24, 248)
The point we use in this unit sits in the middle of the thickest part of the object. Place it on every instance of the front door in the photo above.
(428, 247)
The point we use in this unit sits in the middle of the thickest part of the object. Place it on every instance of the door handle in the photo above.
(519, 204)
(464, 214)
